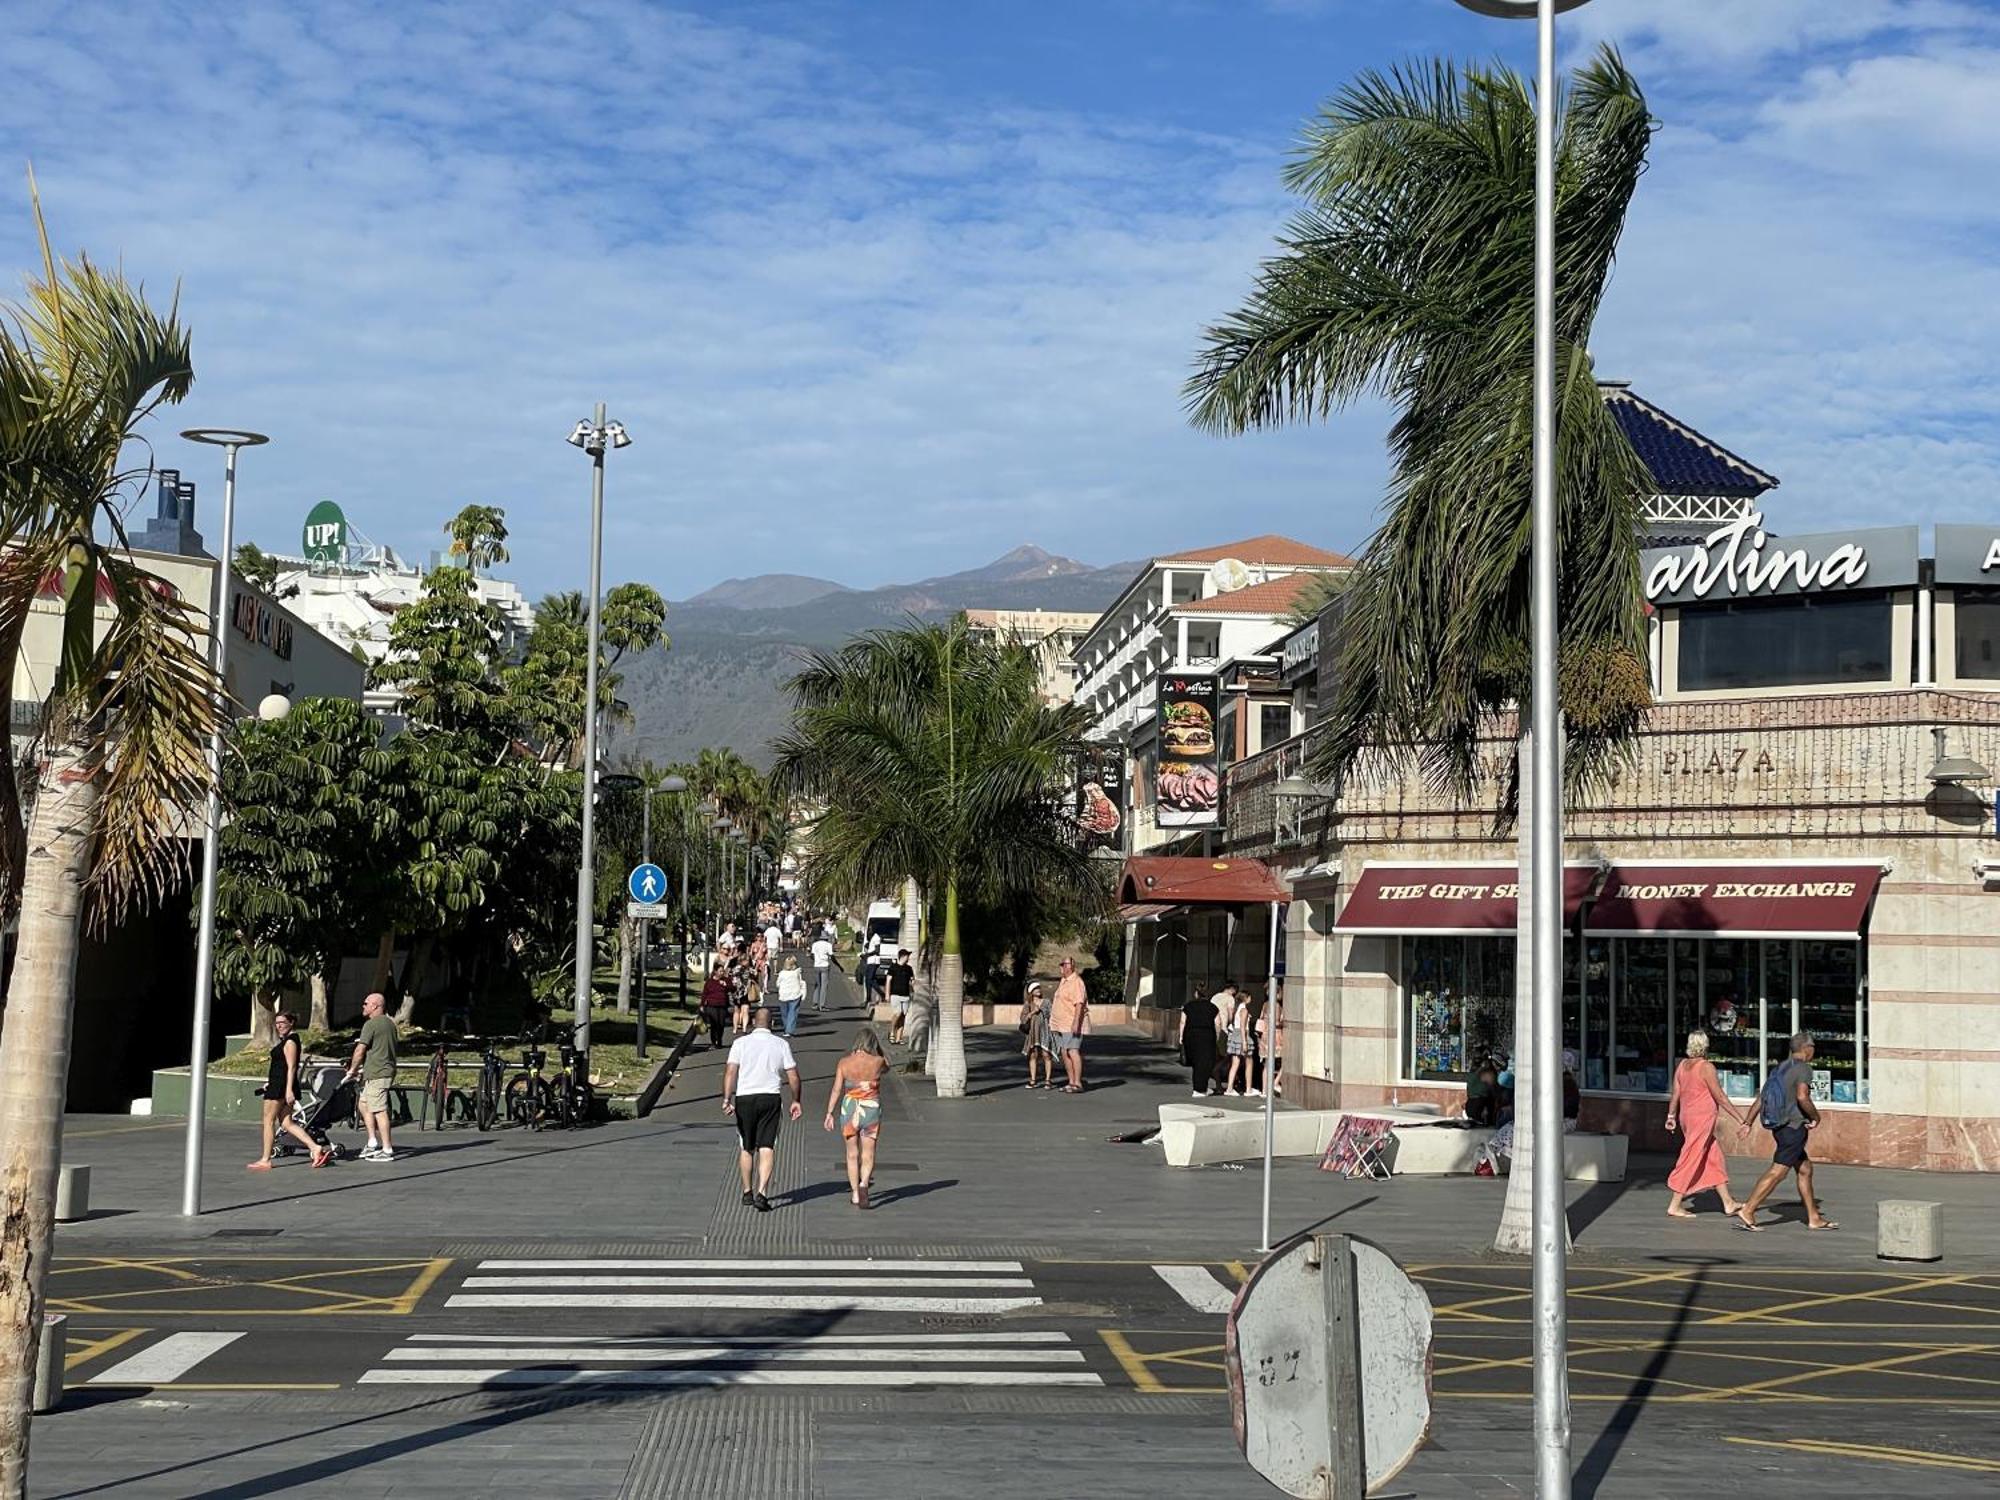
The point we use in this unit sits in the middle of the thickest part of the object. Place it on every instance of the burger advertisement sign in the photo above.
(1189, 787)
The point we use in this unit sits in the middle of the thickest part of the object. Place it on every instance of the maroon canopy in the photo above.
(1189, 880)
(1746, 898)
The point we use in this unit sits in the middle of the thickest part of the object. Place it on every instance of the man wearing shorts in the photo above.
(901, 978)
(1789, 1134)
(375, 1061)
(822, 957)
(1067, 1013)
(759, 1070)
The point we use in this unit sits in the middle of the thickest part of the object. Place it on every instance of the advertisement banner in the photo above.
(1189, 786)
(1098, 801)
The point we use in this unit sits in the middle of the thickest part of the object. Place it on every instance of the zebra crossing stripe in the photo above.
(731, 1301)
(754, 1279)
(739, 1265)
(693, 1353)
(1198, 1288)
(165, 1362)
(742, 1340)
(730, 1377)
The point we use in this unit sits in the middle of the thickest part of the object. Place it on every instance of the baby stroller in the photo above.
(324, 1101)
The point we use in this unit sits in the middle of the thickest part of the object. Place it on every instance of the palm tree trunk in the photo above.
(320, 1019)
(948, 1022)
(34, 1068)
(385, 962)
(625, 966)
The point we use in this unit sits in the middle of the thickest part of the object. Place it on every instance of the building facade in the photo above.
(1054, 634)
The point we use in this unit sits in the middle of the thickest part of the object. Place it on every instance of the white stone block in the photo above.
(1909, 1229)
(72, 1193)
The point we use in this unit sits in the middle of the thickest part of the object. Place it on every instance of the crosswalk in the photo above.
(955, 1287)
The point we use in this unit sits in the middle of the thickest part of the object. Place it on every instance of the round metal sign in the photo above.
(1285, 1388)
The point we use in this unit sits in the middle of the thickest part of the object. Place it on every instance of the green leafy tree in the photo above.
(1407, 275)
(478, 536)
(258, 568)
(84, 360)
(301, 875)
(548, 684)
(935, 759)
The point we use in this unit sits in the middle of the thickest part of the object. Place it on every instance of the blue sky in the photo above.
(884, 287)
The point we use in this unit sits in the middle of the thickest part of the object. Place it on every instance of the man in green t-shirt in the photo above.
(375, 1061)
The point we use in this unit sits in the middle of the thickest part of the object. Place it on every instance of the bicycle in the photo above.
(441, 1102)
(573, 1099)
(530, 1097)
(487, 1093)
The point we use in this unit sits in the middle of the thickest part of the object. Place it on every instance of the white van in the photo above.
(885, 920)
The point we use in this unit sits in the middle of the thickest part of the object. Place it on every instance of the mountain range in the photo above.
(721, 681)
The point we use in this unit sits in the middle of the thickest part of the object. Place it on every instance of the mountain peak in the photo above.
(768, 591)
(1021, 565)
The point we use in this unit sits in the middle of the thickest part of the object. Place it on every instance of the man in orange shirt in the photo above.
(1068, 1019)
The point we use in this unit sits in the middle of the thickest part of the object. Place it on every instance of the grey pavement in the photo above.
(1838, 1373)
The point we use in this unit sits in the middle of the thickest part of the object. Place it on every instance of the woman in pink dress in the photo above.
(1691, 1109)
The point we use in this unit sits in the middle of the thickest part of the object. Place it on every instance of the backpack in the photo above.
(1771, 1103)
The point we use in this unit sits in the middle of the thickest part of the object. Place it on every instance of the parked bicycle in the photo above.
(573, 1098)
(487, 1094)
(441, 1102)
(530, 1097)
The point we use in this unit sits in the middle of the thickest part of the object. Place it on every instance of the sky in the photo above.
(883, 288)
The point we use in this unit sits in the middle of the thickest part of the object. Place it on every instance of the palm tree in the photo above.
(935, 759)
(1407, 275)
(83, 360)
(479, 535)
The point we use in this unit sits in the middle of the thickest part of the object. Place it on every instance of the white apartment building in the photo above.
(1196, 609)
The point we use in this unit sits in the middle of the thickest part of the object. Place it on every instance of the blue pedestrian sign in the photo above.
(647, 883)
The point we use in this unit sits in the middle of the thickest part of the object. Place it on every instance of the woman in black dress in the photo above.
(1199, 1025)
(281, 1093)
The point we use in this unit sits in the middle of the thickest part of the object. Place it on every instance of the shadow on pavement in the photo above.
(1596, 1464)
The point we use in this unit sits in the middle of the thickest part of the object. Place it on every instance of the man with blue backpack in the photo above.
(1786, 1109)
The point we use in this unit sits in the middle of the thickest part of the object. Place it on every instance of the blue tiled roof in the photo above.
(1683, 462)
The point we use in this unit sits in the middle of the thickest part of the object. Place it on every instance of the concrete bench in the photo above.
(1437, 1151)
(1199, 1135)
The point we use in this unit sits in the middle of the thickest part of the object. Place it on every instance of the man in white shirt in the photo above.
(871, 963)
(822, 951)
(774, 947)
(759, 1070)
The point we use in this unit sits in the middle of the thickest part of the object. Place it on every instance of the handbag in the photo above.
(1027, 1024)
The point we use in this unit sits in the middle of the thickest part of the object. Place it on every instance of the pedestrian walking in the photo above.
(374, 1062)
(1240, 1040)
(760, 1069)
(1069, 1022)
(714, 1005)
(1692, 1106)
(791, 991)
(823, 959)
(1271, 1037)
(871, 967)
(902, 979)
(856, 1097)
(1200, 1031)
(774, 947)
(1035, 1044)
(281, 1095)
(1787, 1110)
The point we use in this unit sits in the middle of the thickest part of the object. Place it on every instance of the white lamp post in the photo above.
(1551, 1327)
(228, 440)
(593, 437)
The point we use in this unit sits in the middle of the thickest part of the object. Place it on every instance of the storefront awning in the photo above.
(1467, 900)
(1188, 880)
(1739, 898)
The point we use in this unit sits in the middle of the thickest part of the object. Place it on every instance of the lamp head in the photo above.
(616, 432)
(582, 434)
(672, 784)
(1952, 770)
(1516, 10)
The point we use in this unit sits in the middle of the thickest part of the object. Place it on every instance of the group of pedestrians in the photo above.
(1240, 1025)
(372, 1065)
(1053, 1027)
(761, 1071)
(1785, 1108)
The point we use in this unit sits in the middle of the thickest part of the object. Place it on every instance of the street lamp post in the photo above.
(228, 440)
(1551, 1326)
(593, 437)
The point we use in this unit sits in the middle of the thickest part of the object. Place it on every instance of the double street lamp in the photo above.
(593, 436)
(1544, 833)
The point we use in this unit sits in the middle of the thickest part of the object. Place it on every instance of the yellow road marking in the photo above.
(1834, 1449)
(1762, 1387)
(1138, 1366)
(1978, 1403)
(72, 1357)
(1828, 1300)
(300, 1284)
(426, 1279)
(84, 1135)
(1128, 1357)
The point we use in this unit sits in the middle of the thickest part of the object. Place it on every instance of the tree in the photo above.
(935, 759)
(83, 361)
(259, 569)
(306, 855)
(479, 536)
(1408, 275)
(548, 683)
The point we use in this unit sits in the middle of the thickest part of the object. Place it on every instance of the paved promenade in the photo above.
(1032, 1310)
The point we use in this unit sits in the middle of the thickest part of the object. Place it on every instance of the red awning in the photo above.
(1739, 898)
(1188, 880)
(1469, 900)
(1145, 911)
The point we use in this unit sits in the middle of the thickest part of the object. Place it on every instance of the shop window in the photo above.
(1729, 1012)
(1976, 624)
(1460, 1004)
(1831, 1006)
(1780, 1021)
(1274, 724)
(1786, 642)
(1642, 1022)
(1597, 1013)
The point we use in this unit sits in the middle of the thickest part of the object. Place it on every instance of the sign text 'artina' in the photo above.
(1742, 561)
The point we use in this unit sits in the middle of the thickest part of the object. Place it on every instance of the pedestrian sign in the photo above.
(647, 882)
